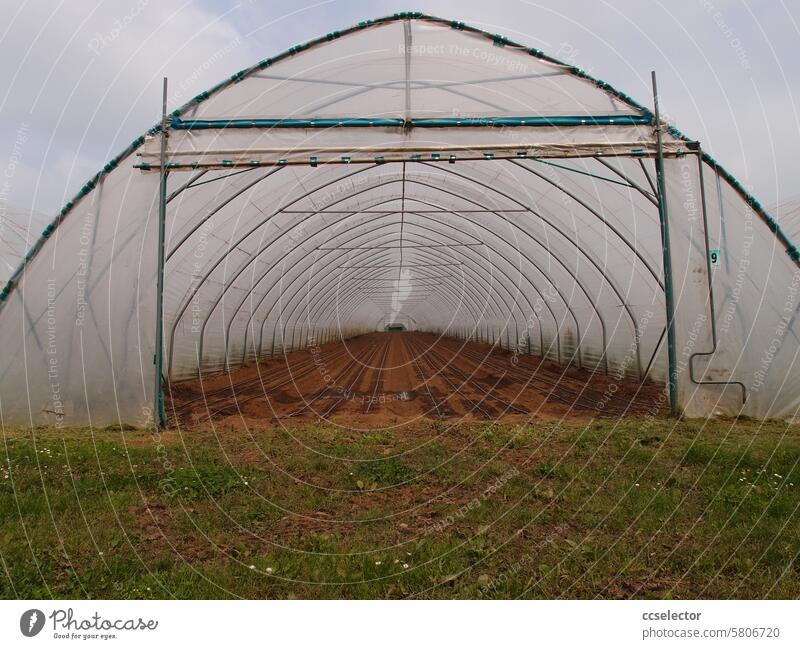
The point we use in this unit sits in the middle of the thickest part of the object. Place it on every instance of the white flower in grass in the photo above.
(252, 567)
(405, 566)
(269, 570)
(377, 563)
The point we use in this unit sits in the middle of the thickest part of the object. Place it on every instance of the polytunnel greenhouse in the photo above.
(410, 173)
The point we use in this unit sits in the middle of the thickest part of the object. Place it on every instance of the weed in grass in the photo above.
(378, 437)
(551, 469)
(383, 473)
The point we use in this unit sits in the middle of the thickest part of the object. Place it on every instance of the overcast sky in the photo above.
(82, 78)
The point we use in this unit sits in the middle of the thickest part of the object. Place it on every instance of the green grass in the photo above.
(637, 508)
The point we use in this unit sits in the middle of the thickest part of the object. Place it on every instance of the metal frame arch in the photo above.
(382, 184)
(363, 256)
(360, 234)
(254, 256)
(457, 290)
(188, 301)
(354, 288)
(529, 281)
(458, 214)
(356, 283)
(299, 275)
(509, 309)
(545, 275)
(338, 180)
(451, 296)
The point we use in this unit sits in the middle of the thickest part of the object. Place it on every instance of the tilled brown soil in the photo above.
(395, 378)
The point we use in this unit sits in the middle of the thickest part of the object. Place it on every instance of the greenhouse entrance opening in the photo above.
(409, 218)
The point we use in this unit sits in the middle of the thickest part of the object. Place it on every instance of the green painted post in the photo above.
(159, 416)
(669, 302)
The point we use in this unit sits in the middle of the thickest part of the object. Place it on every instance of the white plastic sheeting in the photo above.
(408, 170)
(19, 229)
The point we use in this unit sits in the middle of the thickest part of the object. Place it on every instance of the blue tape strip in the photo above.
(195, 124)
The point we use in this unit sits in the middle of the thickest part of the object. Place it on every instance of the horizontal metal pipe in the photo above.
(414, 122)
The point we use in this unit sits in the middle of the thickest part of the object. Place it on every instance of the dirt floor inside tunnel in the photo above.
(397, 378)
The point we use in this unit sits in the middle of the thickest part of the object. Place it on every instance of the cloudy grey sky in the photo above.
(81, 78)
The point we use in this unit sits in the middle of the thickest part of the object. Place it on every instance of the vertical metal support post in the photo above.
(159, 418)
(672, 380)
